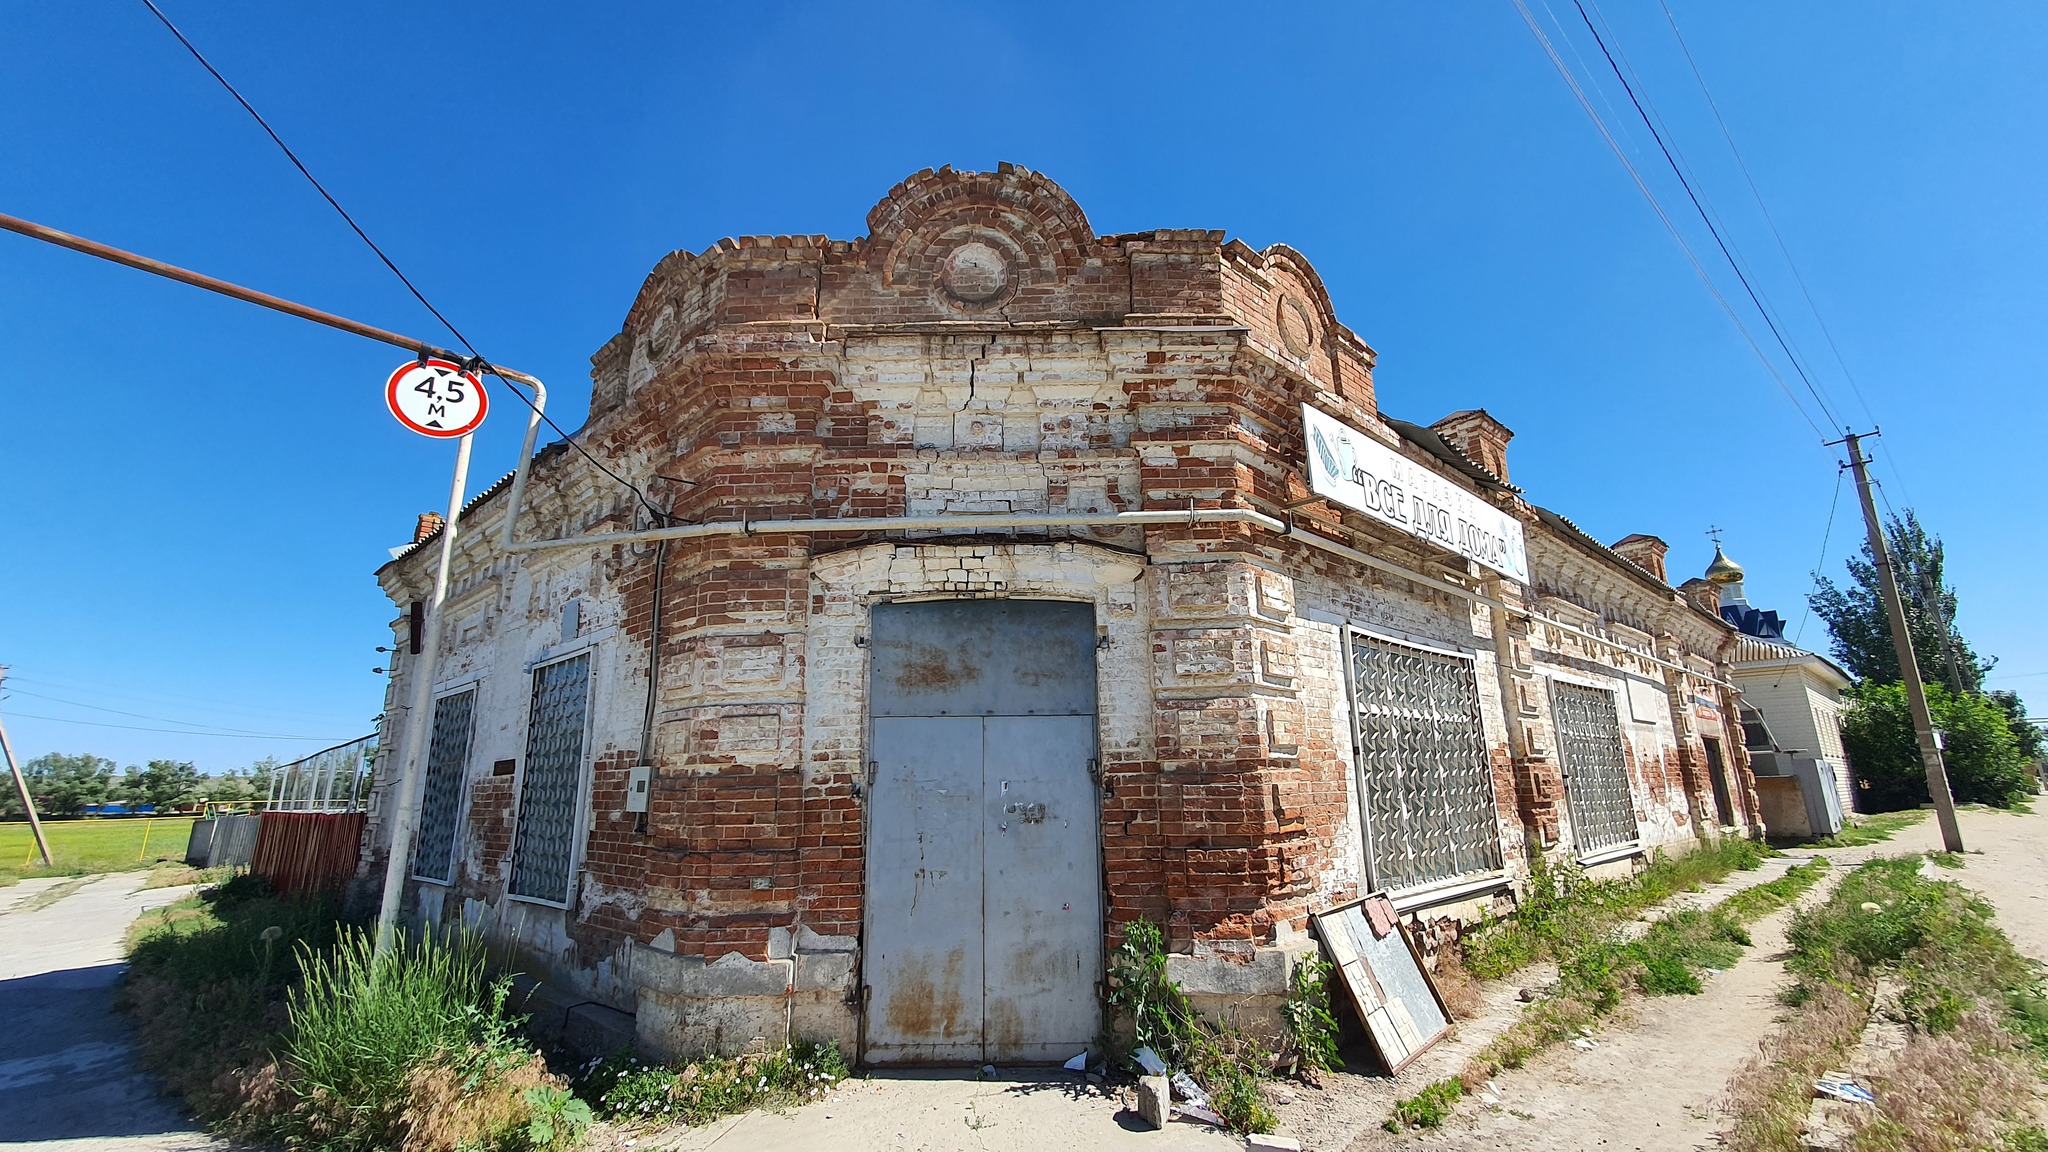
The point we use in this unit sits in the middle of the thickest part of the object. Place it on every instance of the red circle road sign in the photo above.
(436, 398)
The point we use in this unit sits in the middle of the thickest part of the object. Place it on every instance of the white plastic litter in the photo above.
(1189, 1090)
(1200, 1112)
(1837, 1085)
(1150, 1062)
(1078, 1063)
(1584, 1044)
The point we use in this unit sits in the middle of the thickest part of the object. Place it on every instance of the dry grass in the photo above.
(446, 1109)
(1459, 990)
(1770, 1096)
(1950, 1092)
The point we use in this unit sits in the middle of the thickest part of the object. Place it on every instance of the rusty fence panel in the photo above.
(307, 852)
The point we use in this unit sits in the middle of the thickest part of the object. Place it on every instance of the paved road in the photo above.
(68, 1079)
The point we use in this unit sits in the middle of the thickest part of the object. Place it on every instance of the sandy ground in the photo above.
(1653, 1080)
(946, 1111)
(68, 1080)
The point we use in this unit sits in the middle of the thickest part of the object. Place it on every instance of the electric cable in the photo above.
(480, 361)
(1704, 216)
(131, 715)
(172, 731)
(1757, 194)
(1825, 533)
(1684, 246)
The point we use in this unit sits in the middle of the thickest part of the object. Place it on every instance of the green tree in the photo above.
(1855, 616)
(1985, 764)
(63, 785)
(163, 783)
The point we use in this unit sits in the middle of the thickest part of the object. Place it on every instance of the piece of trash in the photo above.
(1284, 1097)
(1150, 1062)
(1711, 971)
(1838, 1086)
(1868, 906)
(988, 1071)
(1078, 1063)
(1189, 1090)
(1200, 1112)
(1583, 1043)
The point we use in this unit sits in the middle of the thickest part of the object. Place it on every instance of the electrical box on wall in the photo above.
(638, 781)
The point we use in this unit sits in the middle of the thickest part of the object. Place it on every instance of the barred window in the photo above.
(550, 789)
(441, 799)
(1595, 768)
(1425, 784)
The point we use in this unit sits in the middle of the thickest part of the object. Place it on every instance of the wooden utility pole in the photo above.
(28, 803)
(1902, 644)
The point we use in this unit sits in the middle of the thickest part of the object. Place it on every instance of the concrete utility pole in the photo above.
(1902, 643)
(28, 803)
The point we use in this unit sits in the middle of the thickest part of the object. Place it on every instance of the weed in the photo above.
(623, 1088)
(557, 1117)
(1225, 1061)
(1309, 1022)
(1428, 1108)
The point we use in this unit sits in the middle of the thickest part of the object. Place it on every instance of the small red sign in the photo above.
(437, 398)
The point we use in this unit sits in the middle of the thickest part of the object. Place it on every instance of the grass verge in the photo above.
(1580, 926)
(93, 844)
(1975, 1011)
(1859, 831)
(268, 1017)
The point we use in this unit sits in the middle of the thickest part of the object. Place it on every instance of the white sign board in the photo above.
(435, 398)
(1357, 471)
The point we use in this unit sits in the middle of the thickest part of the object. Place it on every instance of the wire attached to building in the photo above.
(481, 362)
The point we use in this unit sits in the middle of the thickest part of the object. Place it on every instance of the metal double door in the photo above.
(983, 900)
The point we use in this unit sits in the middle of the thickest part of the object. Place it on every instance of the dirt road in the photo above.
(68, 1080)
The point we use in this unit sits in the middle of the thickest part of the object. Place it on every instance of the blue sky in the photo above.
(195, 493)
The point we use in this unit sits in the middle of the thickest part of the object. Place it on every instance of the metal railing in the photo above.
(331, 780)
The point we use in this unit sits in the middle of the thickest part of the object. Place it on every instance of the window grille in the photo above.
(1425, 782)
(441, 798)
(1595, 768)
(550, 789)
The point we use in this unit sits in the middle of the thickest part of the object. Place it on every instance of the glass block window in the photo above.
(441, 798)
(1425, 782)
(551, 787)
(1595, 768)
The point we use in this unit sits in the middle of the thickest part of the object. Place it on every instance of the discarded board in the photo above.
(1395, 997)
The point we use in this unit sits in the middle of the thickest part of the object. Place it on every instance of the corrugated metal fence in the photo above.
(224, 841)
(307, 852)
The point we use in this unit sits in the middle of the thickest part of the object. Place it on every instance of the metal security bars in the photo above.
(1425, 784)
(1595, 768)
(447, 764)
(550, 789)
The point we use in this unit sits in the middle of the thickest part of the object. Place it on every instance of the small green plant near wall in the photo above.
(1310, 1023)
(1226, 1062)
(628, 1090)
(1428, 1108)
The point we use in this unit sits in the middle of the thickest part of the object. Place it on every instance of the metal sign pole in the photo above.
(419, 720)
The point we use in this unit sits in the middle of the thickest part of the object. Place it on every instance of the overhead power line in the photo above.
(172, 731)
(133, 715)
(480, 361)
(1705, 217)
(1685, 246)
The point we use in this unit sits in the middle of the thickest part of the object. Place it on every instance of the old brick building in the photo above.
(989, 599)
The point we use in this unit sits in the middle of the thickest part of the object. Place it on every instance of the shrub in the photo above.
(1222, 1059)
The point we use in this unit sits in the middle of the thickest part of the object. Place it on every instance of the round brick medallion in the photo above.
(1297, 326)
(974, 273)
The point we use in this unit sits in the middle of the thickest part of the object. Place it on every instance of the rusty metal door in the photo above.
(983, 937)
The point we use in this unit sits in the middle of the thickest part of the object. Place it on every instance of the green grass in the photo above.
(93, 844)
(1579, 925)
(1975, 1008)
(1428, 1108)
(1874, 829)
(624, 1089)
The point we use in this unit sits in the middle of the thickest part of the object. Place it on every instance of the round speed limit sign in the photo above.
(436, 398)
